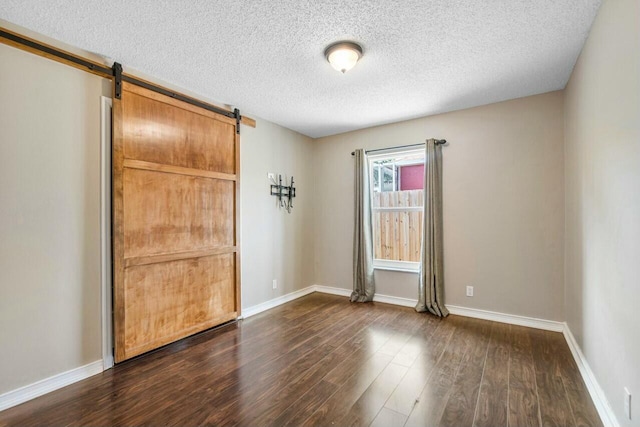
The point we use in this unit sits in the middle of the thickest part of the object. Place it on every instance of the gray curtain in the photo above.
(431, 284)
(363, 284)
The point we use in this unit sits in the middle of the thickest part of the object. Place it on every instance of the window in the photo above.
(396, 183)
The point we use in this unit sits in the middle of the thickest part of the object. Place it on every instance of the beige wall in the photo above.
(275, 244)
(602, 185)
(50, 210)
(503, 205)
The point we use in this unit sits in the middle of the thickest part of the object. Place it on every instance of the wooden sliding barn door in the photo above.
(175, 218)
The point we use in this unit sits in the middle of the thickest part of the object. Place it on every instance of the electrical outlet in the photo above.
(271, 177)
(469, 291)
(275, 284)
(627, 402)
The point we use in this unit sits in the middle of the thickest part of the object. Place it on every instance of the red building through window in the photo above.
(411, 177)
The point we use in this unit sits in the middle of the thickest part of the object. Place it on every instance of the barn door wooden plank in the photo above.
(176, 219)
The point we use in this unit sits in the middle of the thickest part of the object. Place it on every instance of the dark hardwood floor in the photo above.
(322, 361)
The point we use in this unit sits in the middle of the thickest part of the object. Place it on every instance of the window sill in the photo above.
(399, 269)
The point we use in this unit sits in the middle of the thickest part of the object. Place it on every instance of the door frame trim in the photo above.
(106, 266)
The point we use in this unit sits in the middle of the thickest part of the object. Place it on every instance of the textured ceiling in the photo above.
(421, 57)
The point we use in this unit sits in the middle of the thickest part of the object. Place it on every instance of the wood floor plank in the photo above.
(348, 393)
(287, 401)
(260, 372)
(491, 408)
(320, 360)
(404, 397)
(366, 408)
(415, 345)
(523, 395)
(296, 414)
(298, 361)
(431, 403)
(555, 410)
(265, 412)
(349, 357)
(461, 406)
(584, 411)
(388, 418)
(369, 342)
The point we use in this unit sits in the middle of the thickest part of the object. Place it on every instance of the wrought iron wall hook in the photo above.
(284, 193)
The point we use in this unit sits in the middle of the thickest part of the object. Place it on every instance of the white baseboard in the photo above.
(512, 319)
(597, 394)
(252, 311)
(31, 391)
(387, 299)
(333, 291)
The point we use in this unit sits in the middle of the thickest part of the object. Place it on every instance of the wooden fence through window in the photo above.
(397, 235)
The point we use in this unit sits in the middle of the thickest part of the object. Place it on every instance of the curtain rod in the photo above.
(438, 142)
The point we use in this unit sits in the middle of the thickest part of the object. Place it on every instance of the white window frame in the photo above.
(387, 264)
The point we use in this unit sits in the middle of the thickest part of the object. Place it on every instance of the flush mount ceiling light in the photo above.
(343, 55)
